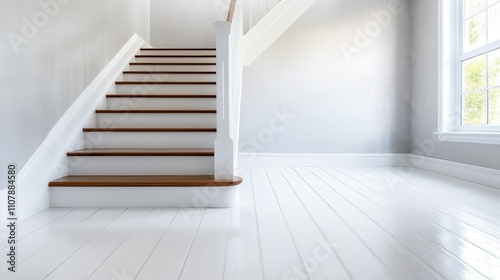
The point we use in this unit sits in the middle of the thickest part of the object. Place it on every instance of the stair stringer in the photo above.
(49, 161)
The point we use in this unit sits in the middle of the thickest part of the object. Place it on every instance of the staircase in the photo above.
(153, 144)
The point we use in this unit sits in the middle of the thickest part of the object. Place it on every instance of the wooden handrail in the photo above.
(230, 15)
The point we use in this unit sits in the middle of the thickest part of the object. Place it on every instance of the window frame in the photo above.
(450, 127)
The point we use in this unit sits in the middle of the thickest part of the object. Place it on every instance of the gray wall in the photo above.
(185, 23)
(341, 105)
(56, 59)
(425, 95)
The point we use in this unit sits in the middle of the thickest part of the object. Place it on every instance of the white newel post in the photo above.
(224, 144)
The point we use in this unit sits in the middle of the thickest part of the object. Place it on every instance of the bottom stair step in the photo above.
(143, 181)
(144, 191)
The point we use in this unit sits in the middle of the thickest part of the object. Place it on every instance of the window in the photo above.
(480, 62)
(470, 71)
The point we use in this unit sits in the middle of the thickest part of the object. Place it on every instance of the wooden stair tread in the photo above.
(162, 83)
(160, 96)
(171, 72)
(156, 111)
(174, 55)
(149, 129)
(172, 63)
(144, 152)
(144, 181)
(178, 49)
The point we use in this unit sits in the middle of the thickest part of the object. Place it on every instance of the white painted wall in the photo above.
(425, 96)
(341, 105)
(55, 61)
(185, 23)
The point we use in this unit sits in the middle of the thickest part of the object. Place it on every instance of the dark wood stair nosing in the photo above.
(156, 111)
(175, 55)
(178, 49)
(162, 83)
(145, 181)
(171, 72)
(142, 153)
(174, 63)
(161, 96)
(152, 129)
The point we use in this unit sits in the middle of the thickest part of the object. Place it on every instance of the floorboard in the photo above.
(130, 256)
(280, 256)
(100, 247)
(243, 258)
(307, 235)
(206, 255)
(167, 259)
(482, 196)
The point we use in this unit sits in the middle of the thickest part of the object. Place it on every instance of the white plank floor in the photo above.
(293, 223)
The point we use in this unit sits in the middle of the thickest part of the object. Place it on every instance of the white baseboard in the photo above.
(351, 160)
(473, 173)
(49, 160)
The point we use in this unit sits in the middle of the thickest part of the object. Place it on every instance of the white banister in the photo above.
(224, 144)
(229, 37)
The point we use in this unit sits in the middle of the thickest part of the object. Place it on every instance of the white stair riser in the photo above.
(178, 197)
(126, 103)
(176, 59)
(165, 89)
(140, 165)
(149, 140)
(107, 120)
(173, 68)
(170, 77)
(179, 52)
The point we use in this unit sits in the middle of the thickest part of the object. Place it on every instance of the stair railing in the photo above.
(229, 39)
(255, 10)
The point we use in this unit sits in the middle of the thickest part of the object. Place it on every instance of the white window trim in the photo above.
(449, 128)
